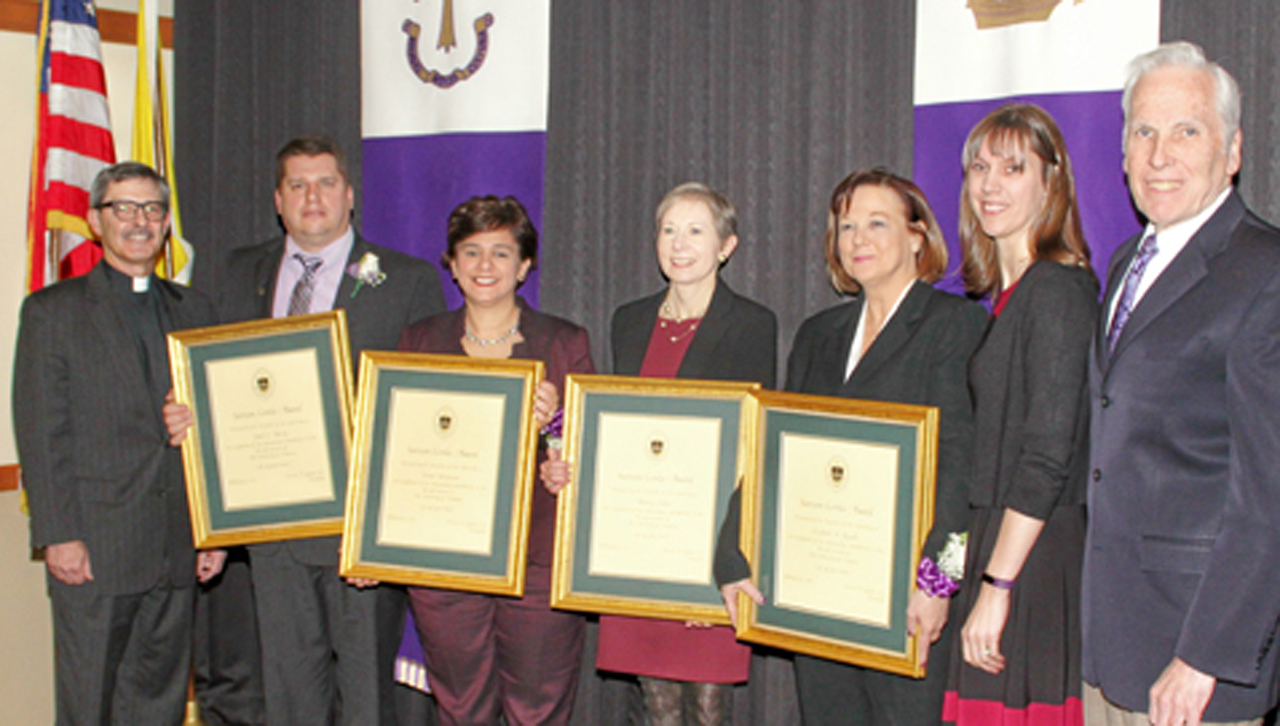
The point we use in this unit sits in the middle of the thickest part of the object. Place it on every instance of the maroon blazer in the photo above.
(561, 346)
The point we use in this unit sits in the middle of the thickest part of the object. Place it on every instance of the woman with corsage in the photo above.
(489, 656)
(1019, 655)
(897, 339)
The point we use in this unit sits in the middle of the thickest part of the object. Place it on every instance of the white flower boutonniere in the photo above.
(951, 559)
(366, 272)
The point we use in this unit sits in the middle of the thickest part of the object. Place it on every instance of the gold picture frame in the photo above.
(442, 472)
(266, 457)
(837, 475)
(654, 463)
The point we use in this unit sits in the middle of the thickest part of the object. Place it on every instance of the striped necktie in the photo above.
(1129, 293)
(300, 300)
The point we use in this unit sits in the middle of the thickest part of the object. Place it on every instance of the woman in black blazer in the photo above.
(696, 328)
(1023, 245)
(898, 339)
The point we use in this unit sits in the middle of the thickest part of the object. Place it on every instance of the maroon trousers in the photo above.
(488, 655)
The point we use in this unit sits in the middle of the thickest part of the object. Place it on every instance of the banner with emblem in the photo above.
(1066, 56)
(454, 104)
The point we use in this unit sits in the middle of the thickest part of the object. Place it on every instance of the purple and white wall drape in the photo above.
(1067, 56)
(454, 104)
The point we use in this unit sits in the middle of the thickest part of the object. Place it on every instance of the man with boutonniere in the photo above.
(328, 644)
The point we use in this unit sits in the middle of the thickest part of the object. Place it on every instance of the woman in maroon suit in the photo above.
(486, 655)
(696, 328)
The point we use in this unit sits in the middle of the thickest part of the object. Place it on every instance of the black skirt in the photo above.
(1041, 640)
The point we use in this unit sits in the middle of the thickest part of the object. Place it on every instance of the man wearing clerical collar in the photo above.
(108, 503)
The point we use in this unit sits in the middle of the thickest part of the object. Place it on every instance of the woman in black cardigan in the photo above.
(898, 339)
(1022, 242)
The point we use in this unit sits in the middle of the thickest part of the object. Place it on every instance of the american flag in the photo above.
(73, 142)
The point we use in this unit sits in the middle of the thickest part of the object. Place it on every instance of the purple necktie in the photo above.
(1129, 293)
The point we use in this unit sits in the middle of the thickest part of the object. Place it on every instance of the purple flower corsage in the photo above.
(554, 431)
(932, 581)
(942, 578)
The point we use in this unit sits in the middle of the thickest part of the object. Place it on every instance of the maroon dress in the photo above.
(666, 648)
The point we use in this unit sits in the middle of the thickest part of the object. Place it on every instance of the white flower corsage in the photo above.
(366, 272)
(951, 558)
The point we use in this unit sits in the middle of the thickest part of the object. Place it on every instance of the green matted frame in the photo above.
(910, 431)
(499, 572)
(191, 352)
(573, 585)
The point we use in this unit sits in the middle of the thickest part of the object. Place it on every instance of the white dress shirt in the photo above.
(1168, 244)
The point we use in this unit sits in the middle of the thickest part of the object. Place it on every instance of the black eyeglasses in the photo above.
(125, 210)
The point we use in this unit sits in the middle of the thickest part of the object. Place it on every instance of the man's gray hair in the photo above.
(123, 171)
(1182, 54)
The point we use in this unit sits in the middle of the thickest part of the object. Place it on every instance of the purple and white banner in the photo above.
(1067, 56)
(454, 104)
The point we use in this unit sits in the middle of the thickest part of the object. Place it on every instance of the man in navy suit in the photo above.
(108, 504)
(328, 646)
(1182, 565)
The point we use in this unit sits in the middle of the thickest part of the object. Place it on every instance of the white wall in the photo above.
(26, 641)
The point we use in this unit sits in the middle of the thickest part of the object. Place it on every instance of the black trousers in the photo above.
(121, 659)
(228, 660)
(834, 693)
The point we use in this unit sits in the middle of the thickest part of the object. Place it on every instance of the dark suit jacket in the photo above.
(376, 317)
(736, 341)
(1183, 552)
(920, 357)
(95, 456)
(562, 346)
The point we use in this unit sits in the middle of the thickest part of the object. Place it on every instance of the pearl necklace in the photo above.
(486, 342)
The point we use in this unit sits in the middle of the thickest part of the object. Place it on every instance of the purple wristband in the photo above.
(997, 582)
(933, 581)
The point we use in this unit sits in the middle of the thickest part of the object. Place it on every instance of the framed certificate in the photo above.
(266, 458)
(654, 462)
(442, 471)
(834, 515)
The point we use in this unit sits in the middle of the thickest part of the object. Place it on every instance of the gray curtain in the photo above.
(249, 76)
(1241, 35)
(770, 102)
